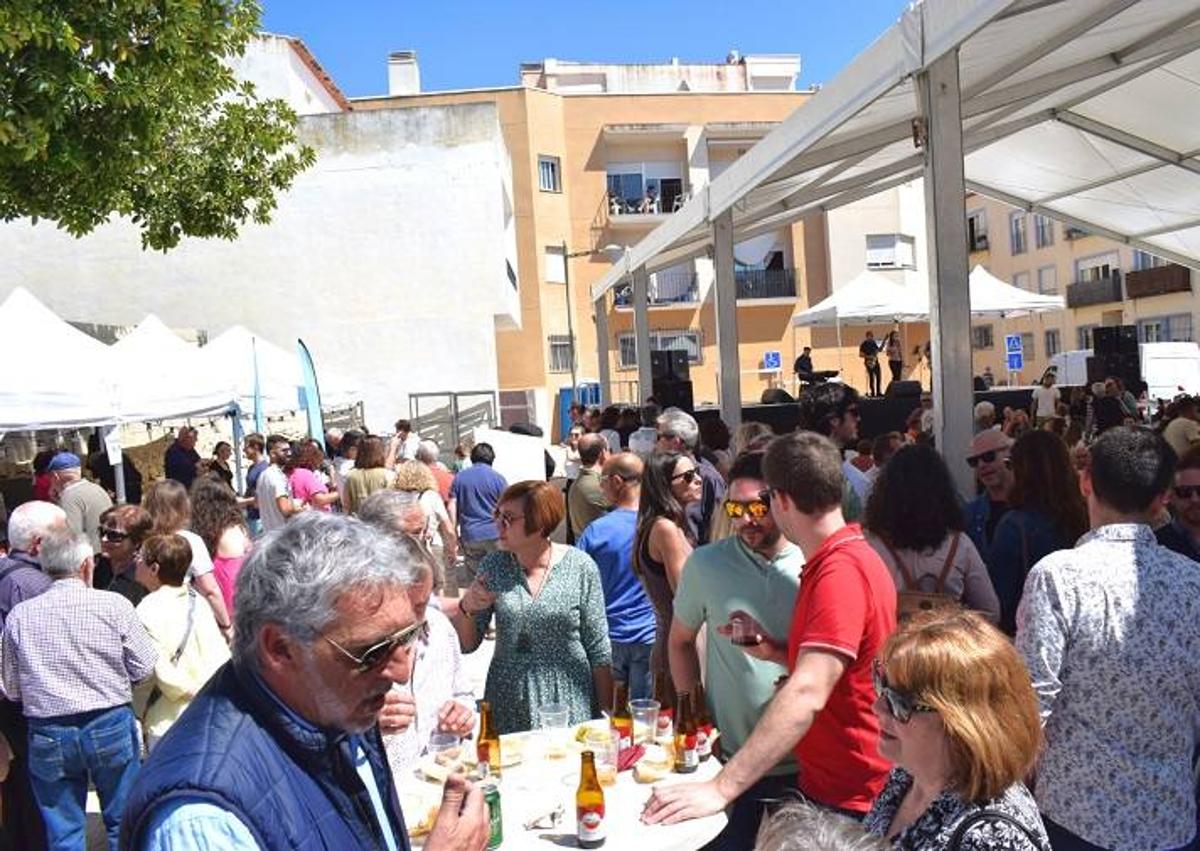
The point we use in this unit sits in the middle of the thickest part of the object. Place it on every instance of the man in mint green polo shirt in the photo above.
(756, 571)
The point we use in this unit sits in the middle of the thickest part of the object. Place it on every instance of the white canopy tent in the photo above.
(1082, 110)
(868, 298)
(57, 376)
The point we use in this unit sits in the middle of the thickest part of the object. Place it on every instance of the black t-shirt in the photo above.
(804, 364)
(868, 347)
(996, 510)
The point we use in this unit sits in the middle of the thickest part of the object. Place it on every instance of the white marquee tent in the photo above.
(867, 299)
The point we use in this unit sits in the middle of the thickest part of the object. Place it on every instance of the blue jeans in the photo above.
(631, 664)
(63, 753)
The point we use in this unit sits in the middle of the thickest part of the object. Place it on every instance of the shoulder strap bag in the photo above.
(975, 818)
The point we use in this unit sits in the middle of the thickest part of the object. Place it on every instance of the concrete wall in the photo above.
(387, 257)
(276, 66)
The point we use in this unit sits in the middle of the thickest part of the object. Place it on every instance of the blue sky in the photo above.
(473, 43)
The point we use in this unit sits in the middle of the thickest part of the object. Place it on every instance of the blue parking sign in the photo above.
(1016, 361)
(773, 360)
(1012, 345)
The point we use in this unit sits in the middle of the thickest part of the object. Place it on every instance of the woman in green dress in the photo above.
(551, 633)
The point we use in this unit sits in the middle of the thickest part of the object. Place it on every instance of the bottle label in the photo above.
(703, 743)
(623, 732)
(664, 724)
(590, 822)
(687, 756)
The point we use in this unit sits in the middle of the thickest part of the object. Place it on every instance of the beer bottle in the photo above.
(589, 804)
(487, 746)
(704, 725)
(687, 759)
(621, 718)
(665, 695)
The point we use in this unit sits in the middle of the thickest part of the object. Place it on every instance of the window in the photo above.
(1021, 280)
(1097, 267)
(560, 353)
(1017, 238)
(549, 174)
(1048, 280)
(1053, 342)
(660, 341)
(977, 238)
(890, 251)
(1146, 260)
(645, 187)
(1176, 328)
(981, 337)
(1043, 231)
(1083, 336)
(556, 265)
(1027, 346)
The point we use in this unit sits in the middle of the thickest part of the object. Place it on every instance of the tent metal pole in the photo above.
(949, 292)
(725, 307)
(600, 311)
(641, 336)
(838, 324)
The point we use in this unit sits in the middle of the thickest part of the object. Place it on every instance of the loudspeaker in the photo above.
(776, 396)
(1127, 339)
(673, 394)
(1126, 366)
(1105, 340)
(1097, 369)
(671, 363)
(903, 390)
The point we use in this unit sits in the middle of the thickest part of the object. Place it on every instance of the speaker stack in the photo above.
(671, 374)
(1115, 353)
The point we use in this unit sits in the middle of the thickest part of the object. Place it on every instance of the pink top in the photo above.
(305, 484)
(225, 571)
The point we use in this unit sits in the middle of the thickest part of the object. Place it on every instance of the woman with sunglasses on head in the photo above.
(551, 630)
(915, 522)
(190, 646)
(1046, 514)
(664, 540)
(959, 720)
(123, 528)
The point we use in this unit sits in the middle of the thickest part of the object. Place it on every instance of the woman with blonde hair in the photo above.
(416, 479)
(959, 719)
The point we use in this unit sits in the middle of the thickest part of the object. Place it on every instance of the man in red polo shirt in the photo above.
(844, 613)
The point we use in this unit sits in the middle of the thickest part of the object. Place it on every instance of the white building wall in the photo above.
(387, 257)
(276, 69)
(900, 210)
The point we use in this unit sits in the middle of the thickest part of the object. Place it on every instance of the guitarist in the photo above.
(868, 350)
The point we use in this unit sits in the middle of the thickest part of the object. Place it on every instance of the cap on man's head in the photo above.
(989, 440)
(64, 461)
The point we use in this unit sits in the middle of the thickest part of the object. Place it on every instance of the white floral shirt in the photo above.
(1110, 632)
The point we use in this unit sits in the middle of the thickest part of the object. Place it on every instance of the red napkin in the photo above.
(629, 757)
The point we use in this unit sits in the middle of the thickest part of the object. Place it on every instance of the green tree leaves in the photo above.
(129, 107)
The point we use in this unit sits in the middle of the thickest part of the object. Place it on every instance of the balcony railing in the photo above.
(1171, 278)
(765, 283)
(663, 288)
(1100, 291)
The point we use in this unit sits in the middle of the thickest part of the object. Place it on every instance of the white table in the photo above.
(537, 785)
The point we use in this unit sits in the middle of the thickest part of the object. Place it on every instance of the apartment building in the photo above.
(601, 154)
(1103, 282)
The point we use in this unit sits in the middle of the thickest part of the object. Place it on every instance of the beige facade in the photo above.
(594, 167)
(1104, 283)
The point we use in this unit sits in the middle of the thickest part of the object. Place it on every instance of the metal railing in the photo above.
(663, 288)
(1171, 278)
(1098, 291)
(765, 283)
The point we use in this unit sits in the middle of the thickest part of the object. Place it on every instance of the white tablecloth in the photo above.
(537, 785)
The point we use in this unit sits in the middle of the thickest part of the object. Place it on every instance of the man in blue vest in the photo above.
(281, 750)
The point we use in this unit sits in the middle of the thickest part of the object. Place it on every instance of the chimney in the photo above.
(404, 75)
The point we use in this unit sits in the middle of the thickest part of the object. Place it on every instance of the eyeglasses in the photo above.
(378, 654)
(505, 519)
(900, 705)
(756, 509)
(688, 476)
(664, 435)
(1187, 491)
(114, 535)
(986, 457)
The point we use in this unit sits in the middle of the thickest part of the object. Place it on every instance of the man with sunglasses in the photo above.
(1182, 534)
(832, 410)
(1110, 632)
(282, 750)
(988, 457)
(753, 575)
(844, 612)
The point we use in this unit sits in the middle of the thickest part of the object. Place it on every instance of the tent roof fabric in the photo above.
(1092, 121)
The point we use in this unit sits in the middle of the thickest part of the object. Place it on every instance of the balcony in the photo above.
(978, 243)
(1099, 291)
(1161, 280)
(664, 289)
(765, 283)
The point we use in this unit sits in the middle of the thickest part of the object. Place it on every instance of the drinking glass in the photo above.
(604, 745)
(553, 720)
(645, 720)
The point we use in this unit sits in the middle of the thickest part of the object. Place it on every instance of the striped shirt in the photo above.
(73, 649)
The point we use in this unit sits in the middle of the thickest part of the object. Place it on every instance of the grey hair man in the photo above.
(429, 454)
(324, 628)
(678, 432)
(985, 416)
(803, 826)
(71, 657)
(21, 574)
(439, 696)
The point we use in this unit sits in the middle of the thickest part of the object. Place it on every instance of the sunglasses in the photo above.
(756, 509)
(115, 535)
(505, 519)
(900, 705)
(986, 457)
(688, 476)
(1187, 491)
(378, 654)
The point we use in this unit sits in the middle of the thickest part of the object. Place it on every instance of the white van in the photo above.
(1167, 368)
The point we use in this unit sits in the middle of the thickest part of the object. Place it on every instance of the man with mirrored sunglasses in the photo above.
(1182, 534)
(988, 457)
(753, 575)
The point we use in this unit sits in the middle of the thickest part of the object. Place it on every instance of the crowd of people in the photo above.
(256, 669)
